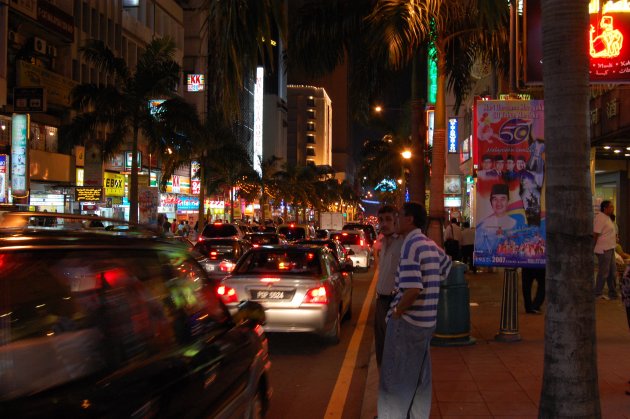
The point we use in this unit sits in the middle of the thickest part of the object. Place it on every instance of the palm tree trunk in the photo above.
(201, 209)
(438, 165)
(416, 183)
(133, 187)
(570, 382)
(231, 203)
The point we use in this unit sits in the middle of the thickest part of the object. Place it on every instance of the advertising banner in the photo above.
(19, 155)
(187, 203)
(148, 204)
(114, 184)
(510, 228)
(88, 194)
(3, 179)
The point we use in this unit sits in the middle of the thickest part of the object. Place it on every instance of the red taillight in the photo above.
(213, 254)
(226, 266)
(200, 238)
(269, 280)
(316, 296)
(256, 245)
(227, 294)
(361, 242)
(217, 224)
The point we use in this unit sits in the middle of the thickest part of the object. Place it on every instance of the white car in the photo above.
(355, 240)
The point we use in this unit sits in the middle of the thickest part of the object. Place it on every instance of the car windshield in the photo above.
(292, 233)
(280, 262)
(348, 238)
(219, 230)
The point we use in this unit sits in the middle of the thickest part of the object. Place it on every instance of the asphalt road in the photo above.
(312, 379)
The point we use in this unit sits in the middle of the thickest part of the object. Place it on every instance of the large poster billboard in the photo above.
(510, 216)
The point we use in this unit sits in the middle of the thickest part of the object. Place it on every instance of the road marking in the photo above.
(337, 401)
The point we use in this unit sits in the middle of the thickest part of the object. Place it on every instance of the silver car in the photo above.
(356, 242)
(302, 288)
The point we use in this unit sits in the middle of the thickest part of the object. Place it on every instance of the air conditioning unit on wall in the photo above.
(39, 45)
(15, 38)
(51, 50)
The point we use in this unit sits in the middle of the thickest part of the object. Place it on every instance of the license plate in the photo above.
(271, 295)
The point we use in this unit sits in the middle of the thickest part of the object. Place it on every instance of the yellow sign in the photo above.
(114, 184)
(88, 194)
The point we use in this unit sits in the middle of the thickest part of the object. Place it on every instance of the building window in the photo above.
(310, 126)
(310, 101)
(310, 151)
(310, 114)
(86, 18)
(310, 139)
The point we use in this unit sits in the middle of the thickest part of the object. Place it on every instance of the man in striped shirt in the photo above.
(405, 382)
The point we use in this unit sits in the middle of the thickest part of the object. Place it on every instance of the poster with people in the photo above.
(510, 189)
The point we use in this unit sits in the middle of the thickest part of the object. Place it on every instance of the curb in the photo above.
(370, 394)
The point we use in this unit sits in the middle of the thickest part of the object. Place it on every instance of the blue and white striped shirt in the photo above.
(422, 265)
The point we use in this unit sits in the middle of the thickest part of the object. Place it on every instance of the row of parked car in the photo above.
(121, 323)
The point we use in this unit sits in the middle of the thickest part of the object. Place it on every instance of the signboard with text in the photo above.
(19, 155)
(114, 184)
(88, 194)
(195, 83)
(453, 136)
(3, 179)
(510, 205)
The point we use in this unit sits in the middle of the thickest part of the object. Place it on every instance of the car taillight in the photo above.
(316, 295)
(361, 242)
(200, 238)
(226, 266)
(269, 280)
(213, 254)
(256, 245)
(227, 294)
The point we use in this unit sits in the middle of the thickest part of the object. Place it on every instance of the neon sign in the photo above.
(453, 137)
(195, 83)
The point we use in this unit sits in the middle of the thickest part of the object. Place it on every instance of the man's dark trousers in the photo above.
(380, 312)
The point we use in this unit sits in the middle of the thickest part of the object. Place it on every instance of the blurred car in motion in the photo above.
(322, 233)
(357, 245)
(97, 324)
(295, 231)
(221, 255)
(260, 239)
(301, 287)
(218, 229)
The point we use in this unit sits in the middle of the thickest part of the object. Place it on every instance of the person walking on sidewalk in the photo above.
(389, 256)
(405, 381)
(605, 241)
(529, 276)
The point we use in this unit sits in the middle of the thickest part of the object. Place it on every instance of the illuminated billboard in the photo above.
(258, 119)
(195, 83)
(609, 50)
(19, 155)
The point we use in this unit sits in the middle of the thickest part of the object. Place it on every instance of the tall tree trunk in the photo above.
(570, 383)
(133, 187)
(201, 209)
(416, 184)
(263, 202)
(438, 164)
(231, 203)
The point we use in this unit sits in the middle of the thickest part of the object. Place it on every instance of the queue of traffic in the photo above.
(100, 318)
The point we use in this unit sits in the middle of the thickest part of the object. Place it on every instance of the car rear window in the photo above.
(218, 249)
(262, 239)
(367, 229)
(292, 233)
(219, 230)
(348, 238)
(280, 262)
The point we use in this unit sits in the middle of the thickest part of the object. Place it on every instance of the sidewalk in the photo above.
(494, 380)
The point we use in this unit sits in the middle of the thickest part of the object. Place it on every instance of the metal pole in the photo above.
(508, 330)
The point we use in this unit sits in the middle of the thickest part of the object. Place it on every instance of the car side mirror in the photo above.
(250, 312)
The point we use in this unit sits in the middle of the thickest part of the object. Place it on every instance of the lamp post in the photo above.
(406, 155)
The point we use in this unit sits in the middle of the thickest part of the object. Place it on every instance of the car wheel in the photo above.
(333, 336)
(256, 407)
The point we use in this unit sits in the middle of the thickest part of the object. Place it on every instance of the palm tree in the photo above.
(570, 384)
(122, 107)
(263, 185)
(462, 32)
(240, 35)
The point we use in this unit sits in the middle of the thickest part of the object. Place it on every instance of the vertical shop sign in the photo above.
(510, 206)
(3, 178)
(195, 177)
(453, 136)
(19, 155)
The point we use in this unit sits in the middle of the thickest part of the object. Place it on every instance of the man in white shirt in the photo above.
(388, 258)
(605, 242)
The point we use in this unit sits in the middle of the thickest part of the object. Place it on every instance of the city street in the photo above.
(305, 371)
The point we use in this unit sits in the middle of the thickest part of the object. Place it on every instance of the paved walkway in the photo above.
(503, 380)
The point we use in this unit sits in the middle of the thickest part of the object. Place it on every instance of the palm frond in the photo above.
(96, 52)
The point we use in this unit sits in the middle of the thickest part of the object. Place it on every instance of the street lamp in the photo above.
(406, 155)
